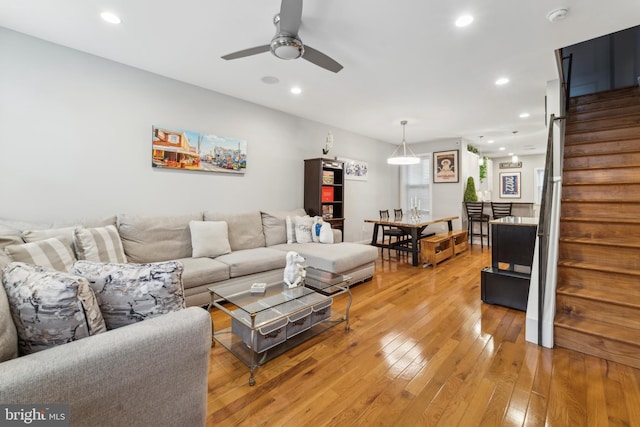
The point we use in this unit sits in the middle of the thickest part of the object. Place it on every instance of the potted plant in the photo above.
(470, 194)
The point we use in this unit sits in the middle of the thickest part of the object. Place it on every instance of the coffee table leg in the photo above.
(347, 326)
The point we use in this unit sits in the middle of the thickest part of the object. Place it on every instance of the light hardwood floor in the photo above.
(423, 350)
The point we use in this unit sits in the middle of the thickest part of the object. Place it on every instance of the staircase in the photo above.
(598, 289)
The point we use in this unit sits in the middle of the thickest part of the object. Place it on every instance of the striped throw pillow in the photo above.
(101, 244)
(53, 253)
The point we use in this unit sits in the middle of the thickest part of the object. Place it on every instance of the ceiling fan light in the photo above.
(287, 48)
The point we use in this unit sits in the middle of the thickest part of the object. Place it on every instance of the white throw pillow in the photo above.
(326, 234)
(291, 238)
(303, 229)
(209, 238)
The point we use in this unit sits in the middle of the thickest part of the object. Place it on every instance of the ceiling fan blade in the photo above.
(290, 16)
(320, 59)
(247, 52)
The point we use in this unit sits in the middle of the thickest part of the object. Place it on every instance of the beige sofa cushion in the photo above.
(152, 239)
(202, 271)
(274, 225)
(8, 335)
(256, 260)
(336, 258)
(245, 228)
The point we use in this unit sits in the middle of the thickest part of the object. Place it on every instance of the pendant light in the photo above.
(514, 158)
(406, 156)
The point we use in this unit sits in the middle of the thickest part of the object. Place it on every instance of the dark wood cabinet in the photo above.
(507, 281)
(324, 190)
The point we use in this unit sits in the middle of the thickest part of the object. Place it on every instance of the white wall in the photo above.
(446, 198)
(527, 175)
(76, 142)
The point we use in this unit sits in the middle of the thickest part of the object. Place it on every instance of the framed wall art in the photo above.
(197, 151)
(445, 166)
(510, 185)
(355, 169)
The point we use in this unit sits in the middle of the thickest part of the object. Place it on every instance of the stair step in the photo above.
(626, 146)
(599, 114)
(599, 228)
(602, 175)
(608, 307)
(606, 101)
(618, 253)
(612, 342)
(614, 210)
(608, 122)
(617, 93)
(609, 134)
(599, 278)
(600, 159)
(613, 191)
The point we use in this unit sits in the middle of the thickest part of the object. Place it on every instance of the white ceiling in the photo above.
(403, 59)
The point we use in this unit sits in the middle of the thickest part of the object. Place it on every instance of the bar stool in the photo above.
(475, 214)
(501, 209)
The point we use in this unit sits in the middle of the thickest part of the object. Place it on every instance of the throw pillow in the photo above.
(274, 225)
(64, 234)
(326, 234)
(130, 293)
(291, 236)
(8, 334)
(303, 229)
(209, 238)
(100, 244)
(52, 253)
(49, 307)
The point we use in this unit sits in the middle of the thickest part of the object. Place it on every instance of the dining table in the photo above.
(412, 226)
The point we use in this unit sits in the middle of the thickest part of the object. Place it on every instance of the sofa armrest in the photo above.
(150, 373)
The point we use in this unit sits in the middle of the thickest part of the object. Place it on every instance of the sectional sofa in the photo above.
(164, 358)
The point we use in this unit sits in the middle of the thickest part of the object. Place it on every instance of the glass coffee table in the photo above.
(265, 325)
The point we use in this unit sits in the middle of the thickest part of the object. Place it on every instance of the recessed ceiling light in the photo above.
(491, 141)
(270, 80)
(464, 20)
(502, 81)
(524, 115)
(501, 148)
(110, 17)
(509, 154)
(296, 90)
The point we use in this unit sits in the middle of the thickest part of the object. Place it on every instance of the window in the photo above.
(539, 180)
(415, 184)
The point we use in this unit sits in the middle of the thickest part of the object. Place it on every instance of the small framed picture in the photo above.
(510, 185)
(445, 166)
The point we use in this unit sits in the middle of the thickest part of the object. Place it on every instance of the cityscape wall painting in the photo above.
(510, 185)
(197, 151)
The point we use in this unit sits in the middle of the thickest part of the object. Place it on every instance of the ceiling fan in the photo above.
(286, 44)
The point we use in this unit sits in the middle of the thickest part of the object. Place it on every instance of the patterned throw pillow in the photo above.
(49, 307)
(130, 293)
(101, 244)
(303, 229)
(52, 253)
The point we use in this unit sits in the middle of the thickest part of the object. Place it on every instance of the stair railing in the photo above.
(550, 187)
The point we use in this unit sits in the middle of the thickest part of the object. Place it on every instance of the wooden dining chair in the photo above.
(389, 231)
(501, 209)
(475, 214)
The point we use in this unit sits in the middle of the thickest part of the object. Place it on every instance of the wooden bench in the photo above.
(443, 246)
